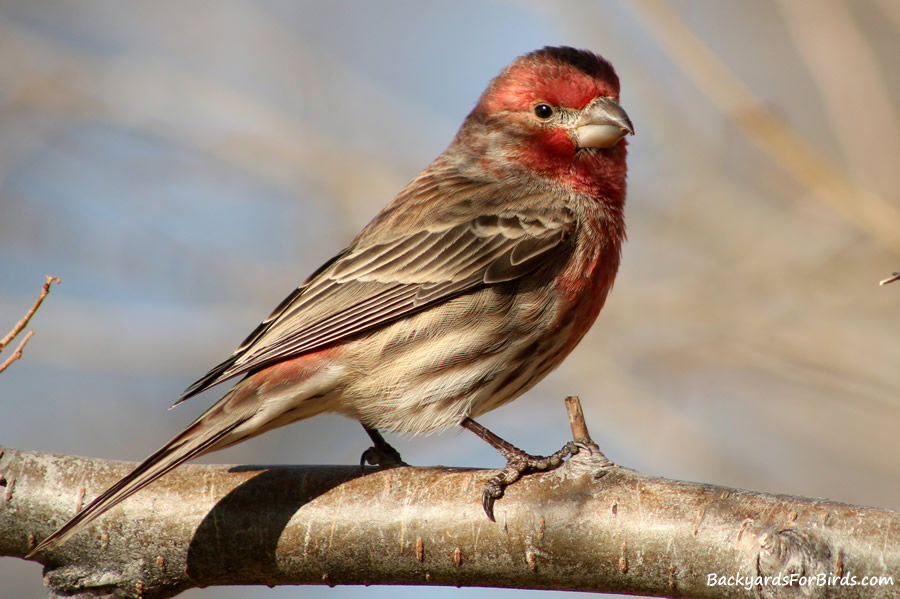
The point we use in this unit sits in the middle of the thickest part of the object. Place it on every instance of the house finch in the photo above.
(466, 290)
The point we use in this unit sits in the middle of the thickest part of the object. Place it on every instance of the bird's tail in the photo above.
(205, 434)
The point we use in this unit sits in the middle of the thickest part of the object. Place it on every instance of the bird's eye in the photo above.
(543, 111)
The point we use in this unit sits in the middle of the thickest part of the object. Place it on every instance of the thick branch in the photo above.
(585, 526)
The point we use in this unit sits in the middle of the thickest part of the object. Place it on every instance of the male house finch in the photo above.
(466, 290)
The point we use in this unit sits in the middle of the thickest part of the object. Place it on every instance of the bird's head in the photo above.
(555, 113)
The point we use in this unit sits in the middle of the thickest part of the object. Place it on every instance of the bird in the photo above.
(467, 289)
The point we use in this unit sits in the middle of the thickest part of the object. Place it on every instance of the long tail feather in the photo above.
(189, 444)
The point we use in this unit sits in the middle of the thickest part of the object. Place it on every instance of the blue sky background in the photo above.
(182, 166)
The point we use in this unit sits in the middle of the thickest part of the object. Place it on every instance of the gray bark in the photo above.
(586, 526)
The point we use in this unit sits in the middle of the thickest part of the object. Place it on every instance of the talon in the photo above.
(517, 463)
(493, 490)
(381, 453)
(487, 502)
(367, 458)
(381, 456)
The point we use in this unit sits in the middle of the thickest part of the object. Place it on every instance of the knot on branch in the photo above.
(793, 563)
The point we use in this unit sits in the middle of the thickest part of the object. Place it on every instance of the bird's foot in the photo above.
(516, 465)
(381, 453)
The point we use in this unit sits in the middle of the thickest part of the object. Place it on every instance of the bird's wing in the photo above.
(371, 284)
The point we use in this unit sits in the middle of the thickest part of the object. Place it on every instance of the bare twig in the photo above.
(24, 322)
(894, 277)
(18, 353)
(576, 419)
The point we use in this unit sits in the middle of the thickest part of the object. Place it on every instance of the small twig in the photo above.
(576, 420)
(894, 277)
(18, 353)
(24, 322)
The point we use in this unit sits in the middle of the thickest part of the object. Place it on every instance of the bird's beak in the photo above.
(602, 124)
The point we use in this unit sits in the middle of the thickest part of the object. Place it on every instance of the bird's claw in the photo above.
(381, 453)
(384, 456)
(517, 465)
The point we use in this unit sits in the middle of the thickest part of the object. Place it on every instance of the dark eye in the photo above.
(543, 111)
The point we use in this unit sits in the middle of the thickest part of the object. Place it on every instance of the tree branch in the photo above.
(894, 277)
(585, 526)
(22, 324)
(18, 353)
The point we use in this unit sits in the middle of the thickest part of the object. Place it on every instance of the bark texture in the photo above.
(588, 525)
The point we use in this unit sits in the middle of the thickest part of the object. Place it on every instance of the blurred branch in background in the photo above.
(852, 87)
(864, 208)
(162, 100)
(20, 326)
(894, 277)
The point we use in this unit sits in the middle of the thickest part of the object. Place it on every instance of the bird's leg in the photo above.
(517, 463)
(381, 453)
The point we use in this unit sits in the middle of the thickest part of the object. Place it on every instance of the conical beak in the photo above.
(602, 124)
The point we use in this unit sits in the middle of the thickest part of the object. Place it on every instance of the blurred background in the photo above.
(183, 166)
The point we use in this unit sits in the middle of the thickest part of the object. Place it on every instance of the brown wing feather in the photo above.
(373, 283)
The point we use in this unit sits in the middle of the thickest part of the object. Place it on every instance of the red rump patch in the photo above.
(559, 76)
(293, 369)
